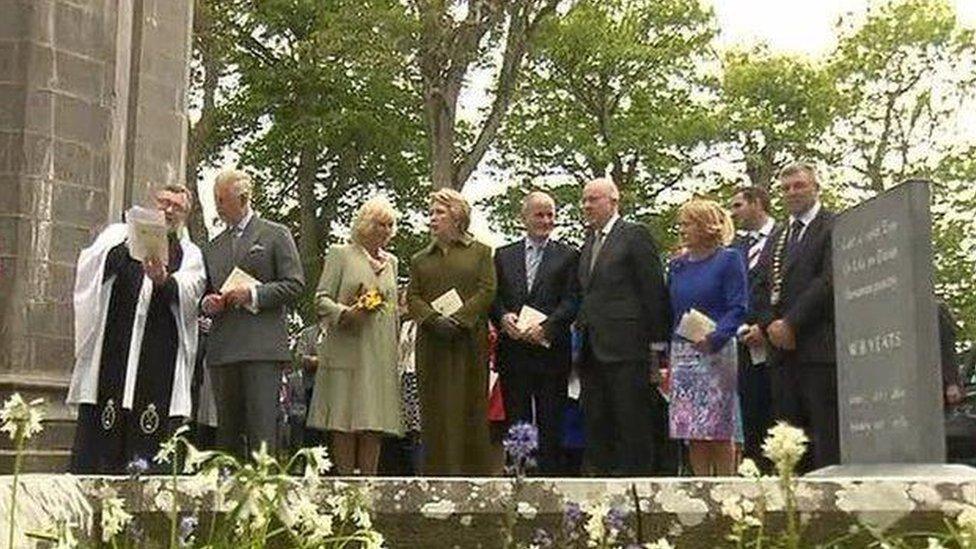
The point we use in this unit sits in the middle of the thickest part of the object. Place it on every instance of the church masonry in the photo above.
(92, 115)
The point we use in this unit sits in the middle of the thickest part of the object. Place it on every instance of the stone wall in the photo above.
(92, 112)
(440, 513)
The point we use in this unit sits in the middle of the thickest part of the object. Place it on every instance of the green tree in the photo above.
(616, 87)
(905, 73)
(455, 39)
(332, 109)
(775, 108)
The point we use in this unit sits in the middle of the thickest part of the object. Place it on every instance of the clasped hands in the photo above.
(533, 334)
(216, 303)
(780, 334)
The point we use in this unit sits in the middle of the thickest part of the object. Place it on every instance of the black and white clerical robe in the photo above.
(135, 347)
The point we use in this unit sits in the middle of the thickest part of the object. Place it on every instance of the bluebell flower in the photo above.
(188, 525)
(614, 520)
(542, 538)
(572, 515)
(137, 467)
(521, 441)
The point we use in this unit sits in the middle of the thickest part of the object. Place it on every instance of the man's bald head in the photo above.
(601, 199)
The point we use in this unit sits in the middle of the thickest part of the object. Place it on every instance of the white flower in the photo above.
(19, 416)
(748, 469)
(168, 448)
(360, 517)
(374, 540)
(967, 519)
(200, 484)
(261, 456)
(785, 445)
(659, 544)
(114, 518)
(595, 529)
(195, 458)
(934, 544)
(317, 461)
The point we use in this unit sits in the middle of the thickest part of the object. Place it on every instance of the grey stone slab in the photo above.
(80, 76)
(73, 163)
(49, 318)
(82, 121)
(14, 25)
(889, 379)
(55, 353)
(13, 65)
(15, 195)
(79, 30)
(39, 112)
(67, 242)
(897, 470)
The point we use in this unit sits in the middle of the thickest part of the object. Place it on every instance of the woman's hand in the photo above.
(352, 317)
(703, 346)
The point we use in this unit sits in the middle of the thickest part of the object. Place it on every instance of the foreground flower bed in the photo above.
(210, 500)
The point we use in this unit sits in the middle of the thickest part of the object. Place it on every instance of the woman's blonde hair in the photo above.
(375, 210)
(711, 218)
(456, 204)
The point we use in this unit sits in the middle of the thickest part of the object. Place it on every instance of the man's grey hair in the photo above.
(807, 168)
(536, 196)
(241, 181)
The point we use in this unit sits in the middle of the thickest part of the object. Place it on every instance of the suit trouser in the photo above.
(805, 394)
(618, 417)
(246, 395)
(523, 382)
(755, 397)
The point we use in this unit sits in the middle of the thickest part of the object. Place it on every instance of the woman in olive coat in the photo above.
(452, 348)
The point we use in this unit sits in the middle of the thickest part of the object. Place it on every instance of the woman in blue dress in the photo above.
(711, 278)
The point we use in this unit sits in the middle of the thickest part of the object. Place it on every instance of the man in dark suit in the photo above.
(534, 357)
(248, 341)
(796, 303)
(750, 209)
(624, 309)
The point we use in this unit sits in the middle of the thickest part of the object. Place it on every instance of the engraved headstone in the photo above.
(889, 381)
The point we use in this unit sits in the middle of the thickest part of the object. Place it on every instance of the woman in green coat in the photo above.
(357, 385)
(452, 339)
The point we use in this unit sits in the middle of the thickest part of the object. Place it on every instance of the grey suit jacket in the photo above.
(267, 252)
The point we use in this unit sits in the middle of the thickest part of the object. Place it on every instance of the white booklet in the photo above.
(695, 326)
(448, 303)
(147, 234)
(529, 316)
(239, 278)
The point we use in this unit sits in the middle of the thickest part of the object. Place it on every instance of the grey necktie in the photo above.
(533, 256)
(597, 244)
(235, 240)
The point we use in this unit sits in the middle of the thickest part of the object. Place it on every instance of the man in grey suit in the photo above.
(624, 310)
(248, 341)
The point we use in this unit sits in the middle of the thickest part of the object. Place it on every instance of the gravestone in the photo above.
(889, 379)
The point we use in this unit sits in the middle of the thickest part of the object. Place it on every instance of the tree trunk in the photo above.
(308, 226)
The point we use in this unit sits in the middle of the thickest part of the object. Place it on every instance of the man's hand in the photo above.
(310, 363)
(781, 335)
(237, 297)
(509, 327)
(953, 394)
(754, 337)
(155, 270)
(535, 334)
(444, 327)
(213, 304)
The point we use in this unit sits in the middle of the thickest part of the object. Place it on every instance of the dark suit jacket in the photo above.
(807, 293)
(267, 252)
(554, 292)
(755, 274)
(624, 301)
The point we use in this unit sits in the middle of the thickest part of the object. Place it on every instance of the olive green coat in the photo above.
(453, 373)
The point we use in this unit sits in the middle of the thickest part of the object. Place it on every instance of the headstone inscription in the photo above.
(889, 381)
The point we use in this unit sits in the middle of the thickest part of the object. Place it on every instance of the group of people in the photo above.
(619, 305)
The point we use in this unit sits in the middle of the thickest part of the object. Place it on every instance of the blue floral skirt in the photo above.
(704, 394)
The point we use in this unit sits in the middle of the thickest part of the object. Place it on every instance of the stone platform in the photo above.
(437, 512)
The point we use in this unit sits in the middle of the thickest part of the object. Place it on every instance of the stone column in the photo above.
(92, 114)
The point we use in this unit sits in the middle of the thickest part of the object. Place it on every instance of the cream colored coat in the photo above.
(357, 386)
